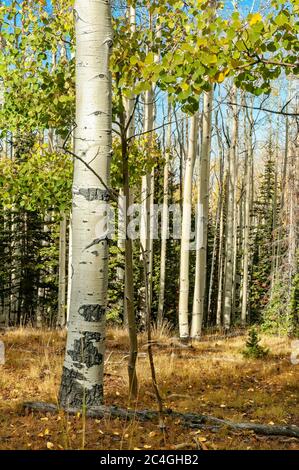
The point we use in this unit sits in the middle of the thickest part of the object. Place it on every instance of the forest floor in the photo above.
(209, 377)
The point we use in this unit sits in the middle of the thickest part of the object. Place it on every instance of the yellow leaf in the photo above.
(256, 18)
(50, 445)
(219, 77)
(147, 447)
(152, 434)
(202, 439)
(47, 432)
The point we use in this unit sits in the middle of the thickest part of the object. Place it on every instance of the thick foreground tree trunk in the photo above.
(82, 377)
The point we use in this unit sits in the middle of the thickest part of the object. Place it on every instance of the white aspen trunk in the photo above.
(146, 186)
(213, 263)
(221, 227)
(82, 377)
(274, 262)
(220, 268)
(164, 225)
(148, 193)
(202, 219)
(185, 235)
(236, 211)
(61, 316)
(246, 229)
(229, 245)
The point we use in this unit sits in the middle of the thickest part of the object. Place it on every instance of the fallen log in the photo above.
(191, 420)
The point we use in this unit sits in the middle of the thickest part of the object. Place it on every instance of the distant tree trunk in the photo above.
(220, 266)
(220, 255)
(147, 185)
(230, 222)
(82, 377)
(213, 262)
(69, 270)
(185, 235)
(202, 219)
(247, 210)
(129, 288)
(61, 317)
(129, 104)
(164, 224)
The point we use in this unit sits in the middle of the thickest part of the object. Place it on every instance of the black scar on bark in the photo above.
(85, 352)
(74, 395)
(92, 313)
(94, 194)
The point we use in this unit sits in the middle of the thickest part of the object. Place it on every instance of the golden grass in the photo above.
(210, 377)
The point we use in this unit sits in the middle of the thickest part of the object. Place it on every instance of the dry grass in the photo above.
(210, 377)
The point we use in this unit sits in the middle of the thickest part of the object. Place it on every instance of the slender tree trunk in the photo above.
(221, 228)
(61, 317)
(69, 270)
(247, 210)
(164, 225)
(129, 289)
(213, 263)
(185, 235)
(82, 377)
(202, 219)
(147, 185)
(129, 104)
(229, 246)
(220, 266)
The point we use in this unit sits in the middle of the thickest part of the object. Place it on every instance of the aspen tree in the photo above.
(82, 377)
(221, 228)
(185, 234)
(127, 124)
(129, 104)
(230, 232)
(61, 317)
(164, 223)
(202, 218)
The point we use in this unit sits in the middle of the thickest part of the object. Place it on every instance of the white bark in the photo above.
(229, 246)
(147, 185)
(82, 378)
(247, 209)
(202, 219)
(185, 235)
